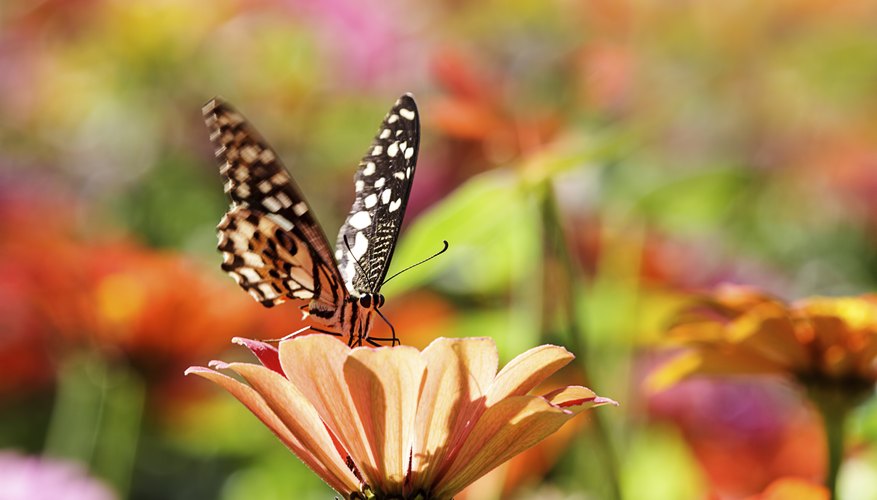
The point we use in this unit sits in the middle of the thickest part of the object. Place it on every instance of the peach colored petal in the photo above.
(257, 405)
(576, 398)
(504, 430)
(458, 374)
(302, 420)
(385, 383)
(315, 365)
(527, 371)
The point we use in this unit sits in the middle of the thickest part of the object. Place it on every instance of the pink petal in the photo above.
(315, 365)
(257, 405)
(527, 371)
(458, 374)
(385, 384)
(266, 353)
(504, 430)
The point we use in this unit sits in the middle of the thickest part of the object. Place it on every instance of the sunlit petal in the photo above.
(459, 373)
(260, 408)
(385, 384)
(527, 371)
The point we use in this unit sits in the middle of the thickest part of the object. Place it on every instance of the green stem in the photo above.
(835, 400)
(556, 247)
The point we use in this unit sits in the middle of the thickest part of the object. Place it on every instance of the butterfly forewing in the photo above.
(382, 183)
(271, 243)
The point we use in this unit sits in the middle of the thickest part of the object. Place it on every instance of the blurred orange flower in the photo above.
(396, 422)
(793, 489)
(740, 330)
(63, 292)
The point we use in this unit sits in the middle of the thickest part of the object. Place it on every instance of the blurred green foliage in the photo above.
(591, 165)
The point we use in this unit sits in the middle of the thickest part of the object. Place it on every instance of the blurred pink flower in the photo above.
(38, 478)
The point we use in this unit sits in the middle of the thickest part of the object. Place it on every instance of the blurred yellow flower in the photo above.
(396, 422)
(742, 331)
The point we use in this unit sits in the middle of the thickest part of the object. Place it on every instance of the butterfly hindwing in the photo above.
(382, 184)
(271, 243)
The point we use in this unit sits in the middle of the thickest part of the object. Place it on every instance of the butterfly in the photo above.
(272, 245)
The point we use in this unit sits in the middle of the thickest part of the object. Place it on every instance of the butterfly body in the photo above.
(273, 246)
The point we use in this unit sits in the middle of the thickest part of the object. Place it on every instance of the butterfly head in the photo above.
(371, 300)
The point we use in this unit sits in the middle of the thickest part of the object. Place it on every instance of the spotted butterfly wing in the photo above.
(274, 248)
(382, 183)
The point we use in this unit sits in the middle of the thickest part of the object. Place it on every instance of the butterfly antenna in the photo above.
(443, 250)
(350, 251)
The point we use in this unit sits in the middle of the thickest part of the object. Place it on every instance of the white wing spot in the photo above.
(271, 203)
(265, 186)
(396, 204)
(393, 149)
(377, 150)
(369, 169)
(250, 275)
(399, 175)
(407, 114)
(393, 119)
(380, 183)
(371, 200)
(267, 291)
(359, 185)
(403, 146)
(300, 208)
(267, 156)
(249, 154)
(360, 245)
(408, 172)
(398, 133)
(385, 196)
(252, 260)
(385, 133)
(242, 191)
(409, 153)
(360, 220)
(281, 221)
(284, 200)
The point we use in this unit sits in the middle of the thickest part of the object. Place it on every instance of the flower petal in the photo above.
(315, 365)
(458, 375)
(504, 430)
(385, 384)
(302, 420)
(266, 353)
(527, 371)
(709, 361)
(260, 408)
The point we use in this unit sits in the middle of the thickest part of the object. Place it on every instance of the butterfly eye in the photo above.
(379, 301)
(365, 301)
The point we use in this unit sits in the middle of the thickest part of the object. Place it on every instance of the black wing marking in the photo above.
(271, 244)
(368, 237)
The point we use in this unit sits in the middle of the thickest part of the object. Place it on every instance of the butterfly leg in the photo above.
(394, 341)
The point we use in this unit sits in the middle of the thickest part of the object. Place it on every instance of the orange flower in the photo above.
(742, 331)
(398, 422)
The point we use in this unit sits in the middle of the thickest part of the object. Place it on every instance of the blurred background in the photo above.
(593, 164)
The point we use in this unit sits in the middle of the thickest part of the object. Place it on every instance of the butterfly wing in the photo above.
(382, 183)
(271, 244)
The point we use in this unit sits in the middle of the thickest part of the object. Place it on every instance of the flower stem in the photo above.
(556, 248)
(835, 400)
